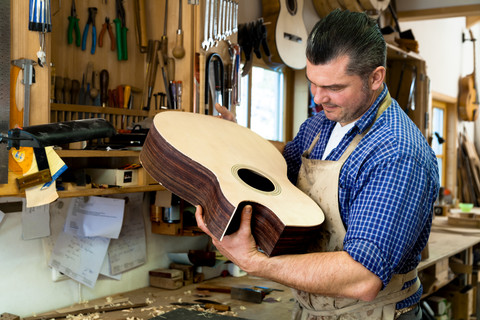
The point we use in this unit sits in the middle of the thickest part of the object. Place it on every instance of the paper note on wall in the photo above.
(47, 193)
(95, 217)
(35, 222)
(79, 258)
(129, 250)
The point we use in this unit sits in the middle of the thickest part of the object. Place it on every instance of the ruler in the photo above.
(4, 85)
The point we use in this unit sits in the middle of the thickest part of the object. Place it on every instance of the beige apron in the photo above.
(314, 179)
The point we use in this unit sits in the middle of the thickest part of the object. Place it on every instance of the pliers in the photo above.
(92, 11)
(73, 26)
(121, 30)
(106, 27)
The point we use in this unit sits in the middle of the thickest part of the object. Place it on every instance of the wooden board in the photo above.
(224, 166)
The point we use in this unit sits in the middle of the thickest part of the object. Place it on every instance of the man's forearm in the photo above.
(333, 274)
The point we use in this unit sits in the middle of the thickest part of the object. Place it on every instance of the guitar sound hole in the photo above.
(292, 7)
(255, 180)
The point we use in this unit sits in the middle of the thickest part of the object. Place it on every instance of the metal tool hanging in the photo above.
(40, 19)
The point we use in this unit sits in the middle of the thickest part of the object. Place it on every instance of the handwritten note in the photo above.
(79, 258)
(35, 222)
(129, 250)
(95, 217)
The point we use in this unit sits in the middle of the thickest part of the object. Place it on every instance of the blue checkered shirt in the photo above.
(387, 188)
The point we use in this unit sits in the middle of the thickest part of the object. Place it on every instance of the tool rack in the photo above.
(68, 60)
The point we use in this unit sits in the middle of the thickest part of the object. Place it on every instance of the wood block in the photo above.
(166, 273)
(247, 294)
(9, 316)
(166, 278)
(187, 270)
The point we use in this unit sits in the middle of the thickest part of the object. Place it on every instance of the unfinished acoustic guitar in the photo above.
(223, 166)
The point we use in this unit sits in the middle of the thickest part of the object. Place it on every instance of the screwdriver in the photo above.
(104, 87)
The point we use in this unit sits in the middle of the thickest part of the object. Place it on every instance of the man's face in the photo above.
(344, 98)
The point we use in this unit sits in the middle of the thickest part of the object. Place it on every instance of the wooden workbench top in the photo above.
(277, 304)
(443, 244)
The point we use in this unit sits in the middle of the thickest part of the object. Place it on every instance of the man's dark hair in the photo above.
(351, 33)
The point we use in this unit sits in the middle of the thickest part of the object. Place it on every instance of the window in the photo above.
(261, 106)
(439, 134)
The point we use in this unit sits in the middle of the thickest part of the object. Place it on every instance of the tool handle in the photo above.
(16, 114)
(126, 96)
(75, 90)
(73, 27)
(124, 43)
(120, 96)
(84, 37)
(94, 39)
(100, 36)
(164, 48)
(143, 41)
(179, 52)
(67, 90)
(104, 87)
(218, 307)
(118, 29)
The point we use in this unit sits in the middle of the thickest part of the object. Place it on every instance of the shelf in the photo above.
(96, 109)
(395, 52)
(97, 153)
(100, 192)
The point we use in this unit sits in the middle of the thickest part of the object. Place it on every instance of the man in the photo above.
(378, 217)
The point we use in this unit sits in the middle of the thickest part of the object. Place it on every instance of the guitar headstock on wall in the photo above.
(286, 33)
(468, 101)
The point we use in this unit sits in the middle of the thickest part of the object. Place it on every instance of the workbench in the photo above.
(277, 304)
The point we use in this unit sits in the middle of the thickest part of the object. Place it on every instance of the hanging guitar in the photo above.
(468, 102)
(286, 33)
(223, 166)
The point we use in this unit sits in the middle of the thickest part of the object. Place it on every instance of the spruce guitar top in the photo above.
(223, 166)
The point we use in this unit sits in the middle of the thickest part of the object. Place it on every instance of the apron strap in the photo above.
(385, 103)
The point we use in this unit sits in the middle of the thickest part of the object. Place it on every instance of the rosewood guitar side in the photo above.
(198, 183)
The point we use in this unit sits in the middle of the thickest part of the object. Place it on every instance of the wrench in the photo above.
(217, 21)
(228, 31)
(224, 20)
(220, 20)
(206, 39)
(212, 23)
(235, 17)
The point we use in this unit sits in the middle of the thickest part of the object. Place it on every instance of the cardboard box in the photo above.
(115, 177)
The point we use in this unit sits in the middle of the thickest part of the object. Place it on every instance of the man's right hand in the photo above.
(225, 113)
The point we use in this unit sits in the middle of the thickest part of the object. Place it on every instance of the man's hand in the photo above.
(239, 247)
(225, 113)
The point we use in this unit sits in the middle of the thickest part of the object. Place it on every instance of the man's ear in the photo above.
(377, 77)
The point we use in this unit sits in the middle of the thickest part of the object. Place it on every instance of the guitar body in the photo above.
(468, 101)
(223, 166)
(467, 104)
(284, 20)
